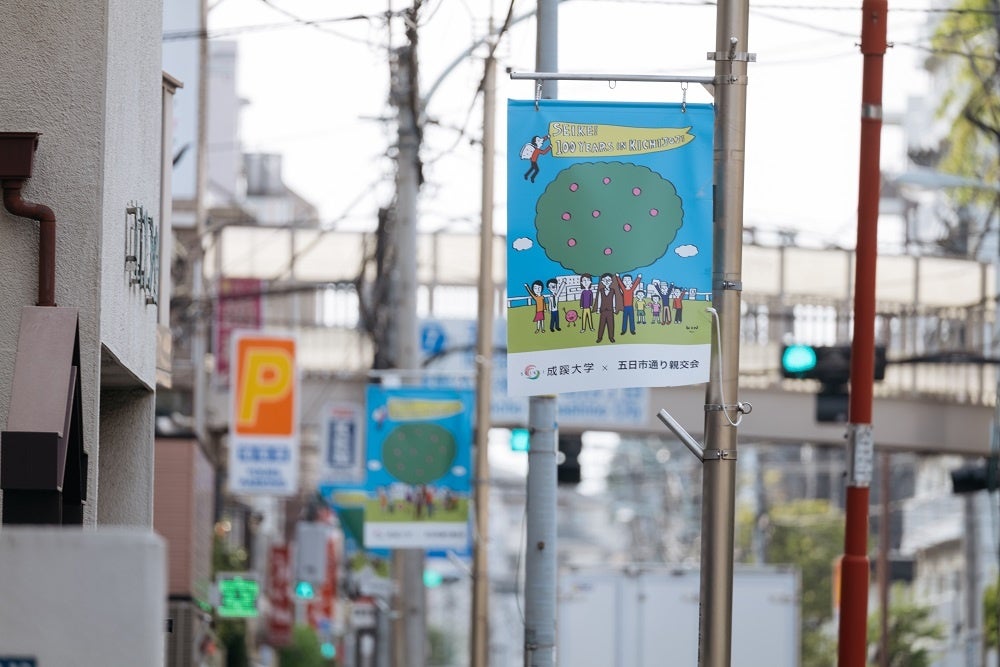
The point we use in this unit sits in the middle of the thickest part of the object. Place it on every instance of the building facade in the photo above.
(84, 77)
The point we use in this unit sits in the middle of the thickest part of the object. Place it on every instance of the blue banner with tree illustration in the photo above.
(419, 452)
(609, 258)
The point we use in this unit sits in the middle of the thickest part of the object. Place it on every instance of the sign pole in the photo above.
(543, 411)
(722, 409)
(484, 374)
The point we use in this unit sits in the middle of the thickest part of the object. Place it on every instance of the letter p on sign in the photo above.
(265, 387)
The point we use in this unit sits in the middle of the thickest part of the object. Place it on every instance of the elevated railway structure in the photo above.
(936, 317)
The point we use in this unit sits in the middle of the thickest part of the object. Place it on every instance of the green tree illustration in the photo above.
(607, 217)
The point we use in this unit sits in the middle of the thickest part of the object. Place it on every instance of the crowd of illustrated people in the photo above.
(612, 294)
(421, 500)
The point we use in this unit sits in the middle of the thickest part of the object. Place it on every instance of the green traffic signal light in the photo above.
(304, 590)
(328, 650)
(520, 440)
(432, 578)
(798, 359)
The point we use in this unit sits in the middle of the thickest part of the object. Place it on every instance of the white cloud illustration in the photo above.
(686, 250)
(522, 243)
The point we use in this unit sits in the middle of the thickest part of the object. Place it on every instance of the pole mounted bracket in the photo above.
(723, 284)
(732, 55)
(686, 438)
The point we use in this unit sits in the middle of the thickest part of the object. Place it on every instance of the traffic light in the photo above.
(972, 478)
(568, 468)
(304, 590)
(520, 440)
(328, 650)
(797, 360)
(830, 364)
(433, 578)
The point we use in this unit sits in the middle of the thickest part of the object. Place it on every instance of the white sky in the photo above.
(319, 96)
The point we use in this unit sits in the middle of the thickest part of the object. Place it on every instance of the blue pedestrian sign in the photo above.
(432, 338)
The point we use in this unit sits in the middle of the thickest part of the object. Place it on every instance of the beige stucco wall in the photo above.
(87, 76)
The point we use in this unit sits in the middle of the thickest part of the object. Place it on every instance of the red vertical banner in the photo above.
(321, 611)
(281, 614)
(238, 306)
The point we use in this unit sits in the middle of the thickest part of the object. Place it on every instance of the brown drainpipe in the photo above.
(14, 204)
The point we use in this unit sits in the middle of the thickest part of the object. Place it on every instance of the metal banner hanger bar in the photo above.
(569, 76)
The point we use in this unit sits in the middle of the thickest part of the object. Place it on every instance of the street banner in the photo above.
(281, 610)
(609, 262)
(416, 494)
(263, 420)
(342, 449)
(454, 365)
(238, 307)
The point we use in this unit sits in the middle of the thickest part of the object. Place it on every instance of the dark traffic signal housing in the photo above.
(830, 365)
(568, 468)
(977, 477)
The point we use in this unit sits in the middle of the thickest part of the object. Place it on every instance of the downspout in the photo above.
(44, 471)
(16, 205)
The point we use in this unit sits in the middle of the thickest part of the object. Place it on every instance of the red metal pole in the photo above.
(852, 644)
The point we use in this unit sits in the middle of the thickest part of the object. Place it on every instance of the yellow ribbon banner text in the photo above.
(584, 139)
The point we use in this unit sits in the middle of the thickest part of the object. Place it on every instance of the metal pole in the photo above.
(540, 557)
(547, 45)
(480, 639)
(409, 632)
(719, 472)
(199, 342)
(973, 600)
(853, 634)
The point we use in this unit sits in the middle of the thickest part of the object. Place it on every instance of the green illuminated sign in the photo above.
(237, 597)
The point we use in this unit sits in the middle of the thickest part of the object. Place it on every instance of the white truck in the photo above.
(647, 616)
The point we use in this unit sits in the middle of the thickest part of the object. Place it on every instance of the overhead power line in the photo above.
(198, 33)
(298, 22)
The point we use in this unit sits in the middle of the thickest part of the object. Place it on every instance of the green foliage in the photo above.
(225, 558)
(745, 519)
(304, 651)
(809, 534)
(912, 632)
(231, 632)
(442, 647)
(819, 647)
(991, 615)
(967, 39)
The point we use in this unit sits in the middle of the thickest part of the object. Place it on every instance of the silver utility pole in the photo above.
(540, 558)
(409, 636)
(722, 407)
